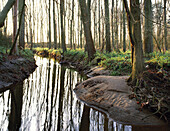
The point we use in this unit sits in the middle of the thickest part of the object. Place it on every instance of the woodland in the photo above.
(127, 37)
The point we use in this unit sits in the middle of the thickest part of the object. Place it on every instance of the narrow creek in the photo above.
(46, 101)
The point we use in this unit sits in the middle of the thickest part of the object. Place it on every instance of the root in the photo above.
(159, 108)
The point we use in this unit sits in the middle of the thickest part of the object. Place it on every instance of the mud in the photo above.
(13, 71)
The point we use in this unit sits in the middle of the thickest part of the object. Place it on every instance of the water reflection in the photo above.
(45, 101)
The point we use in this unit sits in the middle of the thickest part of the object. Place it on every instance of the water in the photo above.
(46, 101)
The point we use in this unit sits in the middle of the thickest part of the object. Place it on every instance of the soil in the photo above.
(14, 69)
(111, 94)
(147, 102)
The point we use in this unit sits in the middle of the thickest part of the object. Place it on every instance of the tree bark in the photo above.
(165, 27)
(148, 27)
(14, 42)
(113, 44)
(124, 31)
(62, 26)
(55, 27)
(89, 11)
(134, 27)
(49, 22)
(4, 12)
(116, 26)
(14, 49)
(85, 18)
(22, 31)
(71, 27)
(99, 24)
(107, 23)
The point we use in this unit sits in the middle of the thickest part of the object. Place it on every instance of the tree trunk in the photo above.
(59, 36)
(62, 26)
(14, 45)
(120, 32)
(71, 30)
(99, 25)
(89, 11)
(15, 49)
(113, 45)
(4, 12)
(49, 22)
(116, 26)
(22, 31)
(89, 41)
(124, 31)
(81, 34)
(107, 23)
(134, 27)
(55, 27)
(148, 27)
(165, 27)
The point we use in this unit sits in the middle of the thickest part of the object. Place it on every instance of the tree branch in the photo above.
(4, 12)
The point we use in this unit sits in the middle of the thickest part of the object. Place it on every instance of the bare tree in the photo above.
(86, 22)
(113, 44)
(62, 26)
(134, 27)
(148, 27)
(22, 30)
(71, 27)
(55, 27)
(4, 12)
(49, 23)
(165, 26)
(15, 49)
(124, 31)
(107, 23)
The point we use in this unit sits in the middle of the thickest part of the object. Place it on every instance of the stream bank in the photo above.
(147, 94)
(15, 69)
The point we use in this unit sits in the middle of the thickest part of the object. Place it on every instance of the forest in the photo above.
(121, 37)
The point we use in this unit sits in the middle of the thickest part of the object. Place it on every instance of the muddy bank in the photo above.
(147, 94)
(75, 62)
(15, 70)
(111, 94)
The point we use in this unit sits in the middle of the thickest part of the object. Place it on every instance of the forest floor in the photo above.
(151, 92)
(14, 69)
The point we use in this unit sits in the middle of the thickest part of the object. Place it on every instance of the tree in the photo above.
(134, 27)
(62, 26)
(14, 45)
(99, 24)
(55, 27)
(22, 30)
(165, 26)
(107, 23)
(89, 11)
(116, 26)
(15, 48)
(4, 12)
(113, 45)
(49, 23)
(71, 27)
(124, 31)
(86, 22)
(148, 27)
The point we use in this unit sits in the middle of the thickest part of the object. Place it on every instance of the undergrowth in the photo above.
(118, 63)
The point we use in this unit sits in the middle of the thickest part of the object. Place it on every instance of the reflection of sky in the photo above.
(40, 108)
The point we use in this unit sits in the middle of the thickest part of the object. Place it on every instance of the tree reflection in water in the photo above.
(45, 101)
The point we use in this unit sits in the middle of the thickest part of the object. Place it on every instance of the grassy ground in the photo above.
(118, 62)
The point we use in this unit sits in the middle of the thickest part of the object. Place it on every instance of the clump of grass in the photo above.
(159, 58)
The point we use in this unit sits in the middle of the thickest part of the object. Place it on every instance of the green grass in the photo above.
(118, 63)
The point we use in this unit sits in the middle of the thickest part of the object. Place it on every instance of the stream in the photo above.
(46, 101)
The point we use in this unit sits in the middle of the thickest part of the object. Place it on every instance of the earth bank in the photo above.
(15, 69)
(153, 85)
